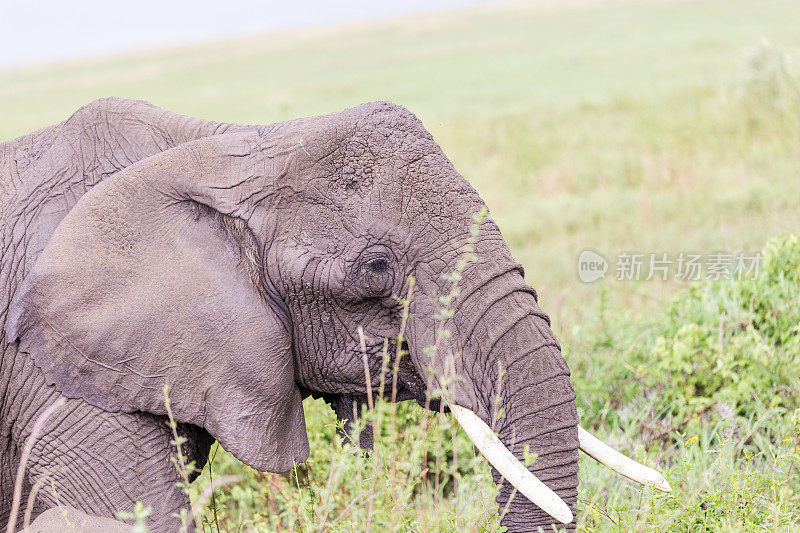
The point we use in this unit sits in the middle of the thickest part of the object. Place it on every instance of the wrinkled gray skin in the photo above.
(236, 263)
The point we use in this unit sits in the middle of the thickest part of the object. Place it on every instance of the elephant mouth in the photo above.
(403, 385)
(400, 380)
(407, 387)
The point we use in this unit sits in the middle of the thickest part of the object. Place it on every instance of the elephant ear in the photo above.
(150, 280)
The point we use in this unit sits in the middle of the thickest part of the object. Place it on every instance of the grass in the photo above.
(618, 126)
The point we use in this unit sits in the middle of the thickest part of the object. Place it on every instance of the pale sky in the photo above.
(35, 31)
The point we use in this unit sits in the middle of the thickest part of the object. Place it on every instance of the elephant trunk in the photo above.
(535, 402)
(509, 371)
(543, 419)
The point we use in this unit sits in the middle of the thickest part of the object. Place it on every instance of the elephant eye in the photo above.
(376, 272)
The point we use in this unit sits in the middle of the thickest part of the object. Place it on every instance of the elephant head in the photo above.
(240, 268)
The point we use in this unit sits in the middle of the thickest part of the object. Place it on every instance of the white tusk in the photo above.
(509, 466)
(605, 454)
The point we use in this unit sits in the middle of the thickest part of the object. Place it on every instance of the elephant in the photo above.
(249, 267)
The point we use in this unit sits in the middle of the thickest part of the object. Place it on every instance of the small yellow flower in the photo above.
(691, 439)
(787, 440)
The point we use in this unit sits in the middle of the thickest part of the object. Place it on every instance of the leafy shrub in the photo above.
(711, 388)
(727, 341)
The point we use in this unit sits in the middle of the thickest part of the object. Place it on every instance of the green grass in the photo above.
(617, 126)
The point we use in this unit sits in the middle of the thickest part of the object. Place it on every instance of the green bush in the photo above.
(734, 344)
(709, 390)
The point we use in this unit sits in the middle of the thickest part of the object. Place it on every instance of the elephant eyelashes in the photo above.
(377, 266)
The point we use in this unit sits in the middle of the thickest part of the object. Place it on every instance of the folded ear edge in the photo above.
(61, 377)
